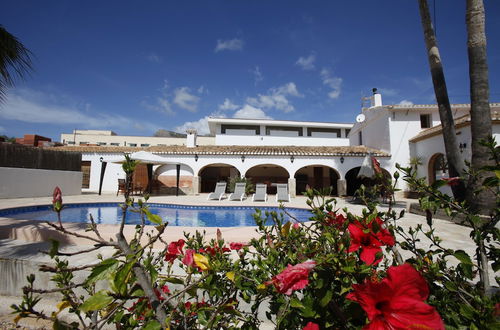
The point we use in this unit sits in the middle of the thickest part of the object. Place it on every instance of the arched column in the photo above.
(291, 187)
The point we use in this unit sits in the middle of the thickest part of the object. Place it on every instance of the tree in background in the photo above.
(478, 199)
(15, 60)
(453, 156)
(480, 112)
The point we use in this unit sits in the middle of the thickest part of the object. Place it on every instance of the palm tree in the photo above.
(454, 158)
(480, 200)
(15, 60)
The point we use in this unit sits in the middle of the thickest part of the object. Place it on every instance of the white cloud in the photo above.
(155, 58)
(249, 112)
(202, 90)
(306, 63)
(257, 75)
(36, 107)
(405, 102)
(185, 100)
(228, 105)
(162, 105)
(232, 44)
(387, 91)
(201, 126)
(334, 83)
(276, 98)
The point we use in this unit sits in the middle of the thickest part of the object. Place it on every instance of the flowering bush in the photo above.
(338, 270)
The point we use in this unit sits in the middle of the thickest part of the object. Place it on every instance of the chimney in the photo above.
(376, 98)
(191, 138)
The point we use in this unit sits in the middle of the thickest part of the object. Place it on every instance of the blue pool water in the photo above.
(176, 215)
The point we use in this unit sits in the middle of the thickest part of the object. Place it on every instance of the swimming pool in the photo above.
(176, 215)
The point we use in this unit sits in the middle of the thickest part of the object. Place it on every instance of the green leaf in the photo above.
(121, 277)
(326, 298)
(154, 218)
(152, 325)
(463, 257)
(450, 286)
(96, 302)
(295, 303)
(103, 270)
(54, 248)
(174, 280)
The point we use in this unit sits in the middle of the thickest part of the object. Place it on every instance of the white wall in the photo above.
(28, 182)
(191, 167)
(266, 140)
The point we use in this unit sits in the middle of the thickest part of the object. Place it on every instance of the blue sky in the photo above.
(135, 67)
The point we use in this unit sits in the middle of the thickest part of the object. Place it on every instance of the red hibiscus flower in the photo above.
(334, 219)
(164, 289)
(452, 181)
(236, 246)
(174, 249)
(188, 259)
(369, 242)
(293, 277)
(397, 302)
(311, 326)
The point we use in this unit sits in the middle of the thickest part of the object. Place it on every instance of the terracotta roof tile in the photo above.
(459, 122)
(233, 150)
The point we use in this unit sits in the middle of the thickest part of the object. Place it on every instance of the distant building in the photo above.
(111, 139)
(36, 141)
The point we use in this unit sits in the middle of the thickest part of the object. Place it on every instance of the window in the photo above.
(132, 144)
(360, 137)
(83, 143)
(70, 142)
(114, 144)
(144, 144)
(323, 132)
(425, 121)
(277, 130)
(233, 128)
(347, 131)
(101, 143)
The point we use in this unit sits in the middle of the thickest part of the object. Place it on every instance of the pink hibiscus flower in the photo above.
(293, 277)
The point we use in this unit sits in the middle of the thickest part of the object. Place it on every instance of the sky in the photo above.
(134, 67)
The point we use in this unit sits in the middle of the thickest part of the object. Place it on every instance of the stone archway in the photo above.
(269, 174)
(165, 179)
(213, 173)
(317, 177)
(437, 167)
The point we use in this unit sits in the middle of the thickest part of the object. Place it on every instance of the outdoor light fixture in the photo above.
(342, 159)
(101, 159)
(196, 157)
(292, 158)
(242, 158)
(462, 146)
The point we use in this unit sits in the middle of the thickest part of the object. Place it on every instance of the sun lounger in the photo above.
(239, 191)
(219, 192)
(260, 193)
(282, 194)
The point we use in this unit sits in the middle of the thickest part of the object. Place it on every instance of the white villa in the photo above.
(314, 154)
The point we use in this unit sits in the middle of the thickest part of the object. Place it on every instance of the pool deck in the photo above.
(36, 231)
